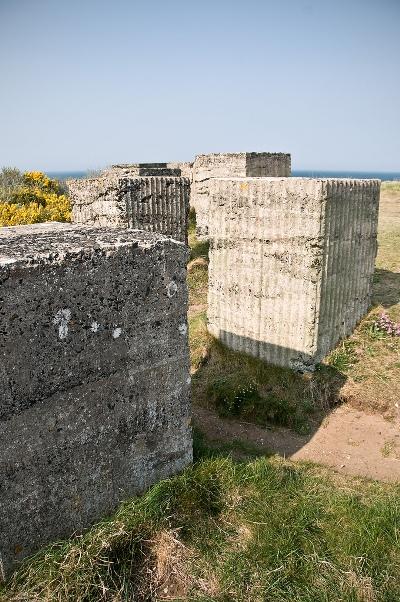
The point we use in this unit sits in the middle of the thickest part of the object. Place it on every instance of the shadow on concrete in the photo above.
(386, 288)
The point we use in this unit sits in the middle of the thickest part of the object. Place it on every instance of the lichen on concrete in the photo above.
(94, 368)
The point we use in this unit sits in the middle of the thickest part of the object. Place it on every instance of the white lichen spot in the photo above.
(61, 320)
(182, 328)
(172, 287)
(116, 333)
(188, 380)
(94, 327)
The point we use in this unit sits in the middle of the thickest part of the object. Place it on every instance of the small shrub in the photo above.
(231, 396)
(343, 357)
(238, 395)
(30, 198)
(10, 179)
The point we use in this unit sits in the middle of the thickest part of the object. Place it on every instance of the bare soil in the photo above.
(348, 440)
(360, 437)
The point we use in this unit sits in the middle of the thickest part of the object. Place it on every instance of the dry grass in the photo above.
(263, 531)
(373, 379)
(169, 566)
(364, 370)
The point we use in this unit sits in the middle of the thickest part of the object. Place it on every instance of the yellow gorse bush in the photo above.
(37, 199)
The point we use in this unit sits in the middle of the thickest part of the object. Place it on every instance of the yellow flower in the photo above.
(38, 200)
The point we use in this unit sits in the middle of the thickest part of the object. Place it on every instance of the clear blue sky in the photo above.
(91, 82)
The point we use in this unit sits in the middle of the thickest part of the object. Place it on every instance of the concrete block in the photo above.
(144, 169)
(115, 199)
(177, 168)
(221, 165)
(94, 376)
(291, 264)
(185, 168)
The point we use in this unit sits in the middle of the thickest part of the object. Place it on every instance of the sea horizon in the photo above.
(305, 173)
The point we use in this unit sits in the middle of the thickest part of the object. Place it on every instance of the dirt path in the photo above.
(347, 440)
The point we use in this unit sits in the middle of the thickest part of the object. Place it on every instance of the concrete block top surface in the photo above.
(52, 242)
(145, 169)
(113, 177)
(218, 156)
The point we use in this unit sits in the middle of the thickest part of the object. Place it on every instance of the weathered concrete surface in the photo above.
(94, 376)
(117, 198)
(144, 169)
(178, 168)
(221, 165)
(291, 264)
(185, 167)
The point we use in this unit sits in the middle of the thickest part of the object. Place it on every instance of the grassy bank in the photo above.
(267, 530)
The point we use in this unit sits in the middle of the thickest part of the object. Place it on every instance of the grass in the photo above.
(390, 187)
(373, 375)
(236, 448)
(265, 530)
(238, 385)
(240, 527)
(272, 395)
(363, 370)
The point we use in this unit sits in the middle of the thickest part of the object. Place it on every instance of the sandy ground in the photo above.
(347, 440)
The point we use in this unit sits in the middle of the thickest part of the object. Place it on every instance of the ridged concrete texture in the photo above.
(115, 199)
(94, 376)
(220, 165)
(291, 264)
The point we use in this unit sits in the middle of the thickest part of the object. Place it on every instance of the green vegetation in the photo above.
(256, 529)
(242, 386)
(363, 369)
(10, 180)
(31, 197)
(391, 187)
(373, 375)
(238, 385)
(343, 357)
(267, 530)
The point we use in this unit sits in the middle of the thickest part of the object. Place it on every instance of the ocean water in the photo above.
(317, 173)
(66, 175)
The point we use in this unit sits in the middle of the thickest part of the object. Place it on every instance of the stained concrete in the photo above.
(94, 366)
(291, 264)
(122, 196)
(218, 165)
(185, 168)
(177, 168)
(144, 169)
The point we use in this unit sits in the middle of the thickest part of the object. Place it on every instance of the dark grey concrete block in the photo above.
(94, 375)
